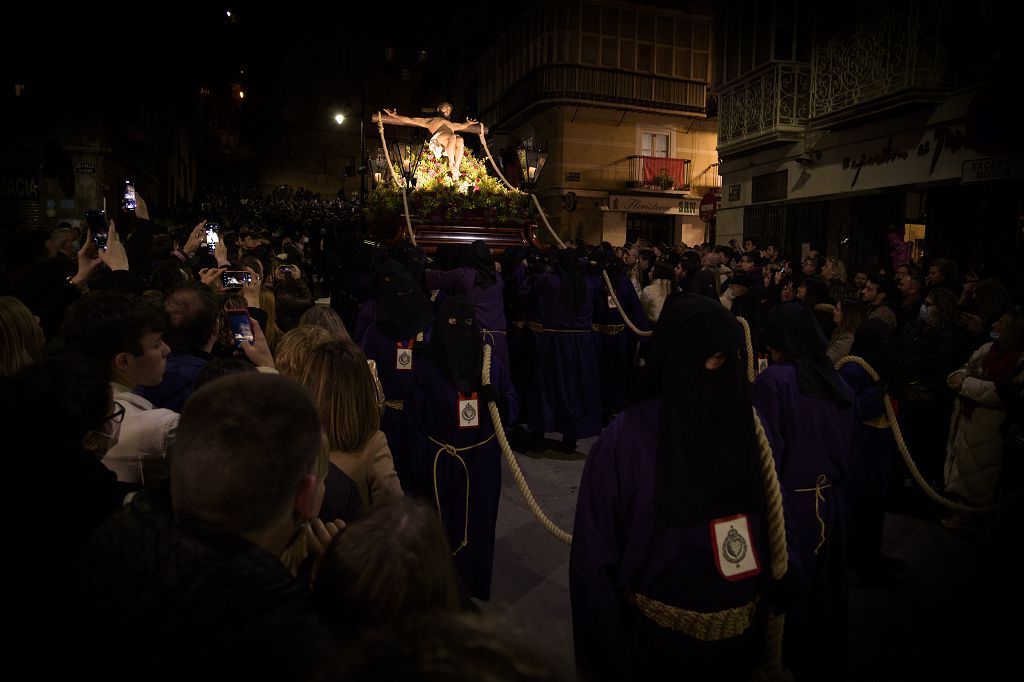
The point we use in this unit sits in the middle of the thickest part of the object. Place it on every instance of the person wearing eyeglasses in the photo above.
(62, 412)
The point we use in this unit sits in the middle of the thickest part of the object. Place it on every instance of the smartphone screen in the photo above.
(97, 222)
(212, 235)
(234, 279)
(129, 196)
(241, 327)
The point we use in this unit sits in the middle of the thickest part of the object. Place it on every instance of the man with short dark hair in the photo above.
(200, 590)
(912, 289)
(124, 334)
(194, 324)
(875, 294)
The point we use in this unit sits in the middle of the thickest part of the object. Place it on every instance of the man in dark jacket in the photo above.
(200, 592)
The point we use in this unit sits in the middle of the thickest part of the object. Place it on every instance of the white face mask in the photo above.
(112, 436)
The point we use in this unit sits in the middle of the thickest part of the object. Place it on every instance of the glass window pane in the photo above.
(589, 53)
(682, 66)
(645, 144)
(663, 64)
(627, 24)
(574, 16)
(684, 38)
(626, 48)
(609, 21)
(645, 26)
(591, 19)
(643, 56)
(700, 65)
(661, 145)
(701, 33)
(609, 52)
(665, 30)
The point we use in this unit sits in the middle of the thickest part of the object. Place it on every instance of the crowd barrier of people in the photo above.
(241, 481)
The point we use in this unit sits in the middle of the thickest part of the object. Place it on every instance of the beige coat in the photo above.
(974, 453)
(373, 470)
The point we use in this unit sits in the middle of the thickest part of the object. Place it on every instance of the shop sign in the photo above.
(993, 170)
(663, 206)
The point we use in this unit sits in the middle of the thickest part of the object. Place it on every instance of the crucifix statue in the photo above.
(444, 138)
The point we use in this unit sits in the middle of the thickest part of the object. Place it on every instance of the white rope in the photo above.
(622, 312)
(510, 459)
(536, 202)
(394, 176)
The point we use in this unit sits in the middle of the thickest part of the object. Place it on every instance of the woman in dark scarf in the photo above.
(669, 488)
(807, 413)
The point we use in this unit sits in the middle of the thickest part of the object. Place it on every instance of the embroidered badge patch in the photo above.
(735, 555)
(469, 411)
(403, 359)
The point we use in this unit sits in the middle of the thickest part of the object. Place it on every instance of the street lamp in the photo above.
(379, 166)
(531, 160)
(408, 156)
(339, 118)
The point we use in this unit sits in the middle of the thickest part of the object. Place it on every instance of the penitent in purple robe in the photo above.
(367, 316)
(395, 382)
(616, 349)
(566, 392)
(620, 545)
(488, 304)
(811, 437)
(430, 418)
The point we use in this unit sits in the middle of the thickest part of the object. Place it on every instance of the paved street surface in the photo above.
(950, 612)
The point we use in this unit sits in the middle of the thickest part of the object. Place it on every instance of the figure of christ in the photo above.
(444, 138)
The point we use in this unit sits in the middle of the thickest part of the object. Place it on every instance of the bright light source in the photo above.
(228, 13)
(241, 94)
(339, 119)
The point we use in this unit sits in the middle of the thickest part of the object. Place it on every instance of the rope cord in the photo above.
(909, 461)
(751, 369)
(615, 299)
(394, 176)
(454, 452)
(513, 465)
(772, 668)
(544, 218)
(483, 141)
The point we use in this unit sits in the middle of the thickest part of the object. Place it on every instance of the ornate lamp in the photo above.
(379, 167)
(407, 154)
(531, 159)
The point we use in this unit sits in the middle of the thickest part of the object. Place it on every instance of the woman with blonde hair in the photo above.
(268, 302)
(324, 316)
(21, 337)
(343, 389)
(850, 314)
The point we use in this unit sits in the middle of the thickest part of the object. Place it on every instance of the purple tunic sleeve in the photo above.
(596, 554)
(768, 394)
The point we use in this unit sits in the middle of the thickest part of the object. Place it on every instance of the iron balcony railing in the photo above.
(899, 51)
(772, 101)
(582, 84)
(658, 173)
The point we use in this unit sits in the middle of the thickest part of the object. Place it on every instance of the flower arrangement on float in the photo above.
(475, 195)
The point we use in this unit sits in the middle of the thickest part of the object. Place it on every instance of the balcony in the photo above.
(769, 106)
(707, 180)
(570, 84)
(658, 174)
(893, 61)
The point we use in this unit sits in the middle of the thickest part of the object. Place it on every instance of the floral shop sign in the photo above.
(664, 206)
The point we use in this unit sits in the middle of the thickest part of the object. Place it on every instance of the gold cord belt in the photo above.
(541, 329)
(706, 626)
(394, 404)
(881, 422)
(488, 334)
(454, 452)
(820, 484)
(609, 329)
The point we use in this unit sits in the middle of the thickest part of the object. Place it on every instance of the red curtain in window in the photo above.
(676, 169)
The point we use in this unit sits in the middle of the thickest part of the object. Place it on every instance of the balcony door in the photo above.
(654, 144)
